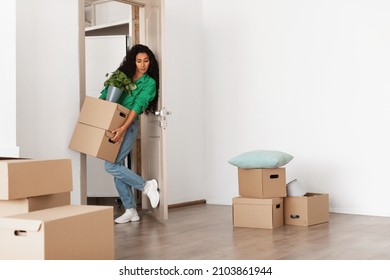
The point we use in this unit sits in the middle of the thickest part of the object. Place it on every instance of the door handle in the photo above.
(162, 113)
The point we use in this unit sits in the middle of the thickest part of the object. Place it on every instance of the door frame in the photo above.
(162, 211)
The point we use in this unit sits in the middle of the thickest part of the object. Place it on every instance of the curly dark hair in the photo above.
(128, 67)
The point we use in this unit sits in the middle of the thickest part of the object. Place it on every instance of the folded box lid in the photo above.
(309, 196)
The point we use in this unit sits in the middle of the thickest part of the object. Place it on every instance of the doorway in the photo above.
(108, 35)
(128, 22)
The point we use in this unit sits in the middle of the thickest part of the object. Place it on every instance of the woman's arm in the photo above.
(141, 102)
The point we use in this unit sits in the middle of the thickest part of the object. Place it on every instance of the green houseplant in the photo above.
(118, 83)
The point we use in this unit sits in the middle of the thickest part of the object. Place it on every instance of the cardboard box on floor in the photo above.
(264, 213)
(102, 113)
(25, 205)
(22, 178)
(73, 232)
(308, 210)
(92, 134)
(262, 182)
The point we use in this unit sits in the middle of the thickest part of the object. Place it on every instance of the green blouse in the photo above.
(139, 99)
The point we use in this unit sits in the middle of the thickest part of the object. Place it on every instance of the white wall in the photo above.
(48, 84)
(184, 98)
(306, 77)
(8, 145)
(310, 78)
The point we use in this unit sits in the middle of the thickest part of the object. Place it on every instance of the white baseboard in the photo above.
(364, 212)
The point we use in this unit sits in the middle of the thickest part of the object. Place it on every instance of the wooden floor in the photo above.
(205, 232)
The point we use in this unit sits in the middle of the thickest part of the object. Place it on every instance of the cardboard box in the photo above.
(262, 183)
(102, 113)
(25, 205)
(258, 212)
(95, 142)
(73, 232)
(92, 134)
(22, 178)
(311, 209)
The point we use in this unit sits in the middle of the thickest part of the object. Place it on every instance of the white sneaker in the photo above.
(151, 191)
(130, 215)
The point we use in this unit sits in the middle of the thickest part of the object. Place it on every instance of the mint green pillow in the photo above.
(261, 159)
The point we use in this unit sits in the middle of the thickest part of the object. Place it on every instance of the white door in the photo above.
(153, 126)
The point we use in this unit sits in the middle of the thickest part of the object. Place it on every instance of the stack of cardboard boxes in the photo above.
(263, 201)
(260, 204)
(92, 134)
(37, 220)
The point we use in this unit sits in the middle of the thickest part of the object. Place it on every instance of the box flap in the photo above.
(20, 224)
(259, 201)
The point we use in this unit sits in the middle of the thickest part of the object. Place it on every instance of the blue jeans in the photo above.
(125, 178)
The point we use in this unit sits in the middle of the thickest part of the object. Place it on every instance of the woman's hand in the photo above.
(118, 133)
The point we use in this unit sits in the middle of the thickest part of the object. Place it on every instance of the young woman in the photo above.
(141, 66)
